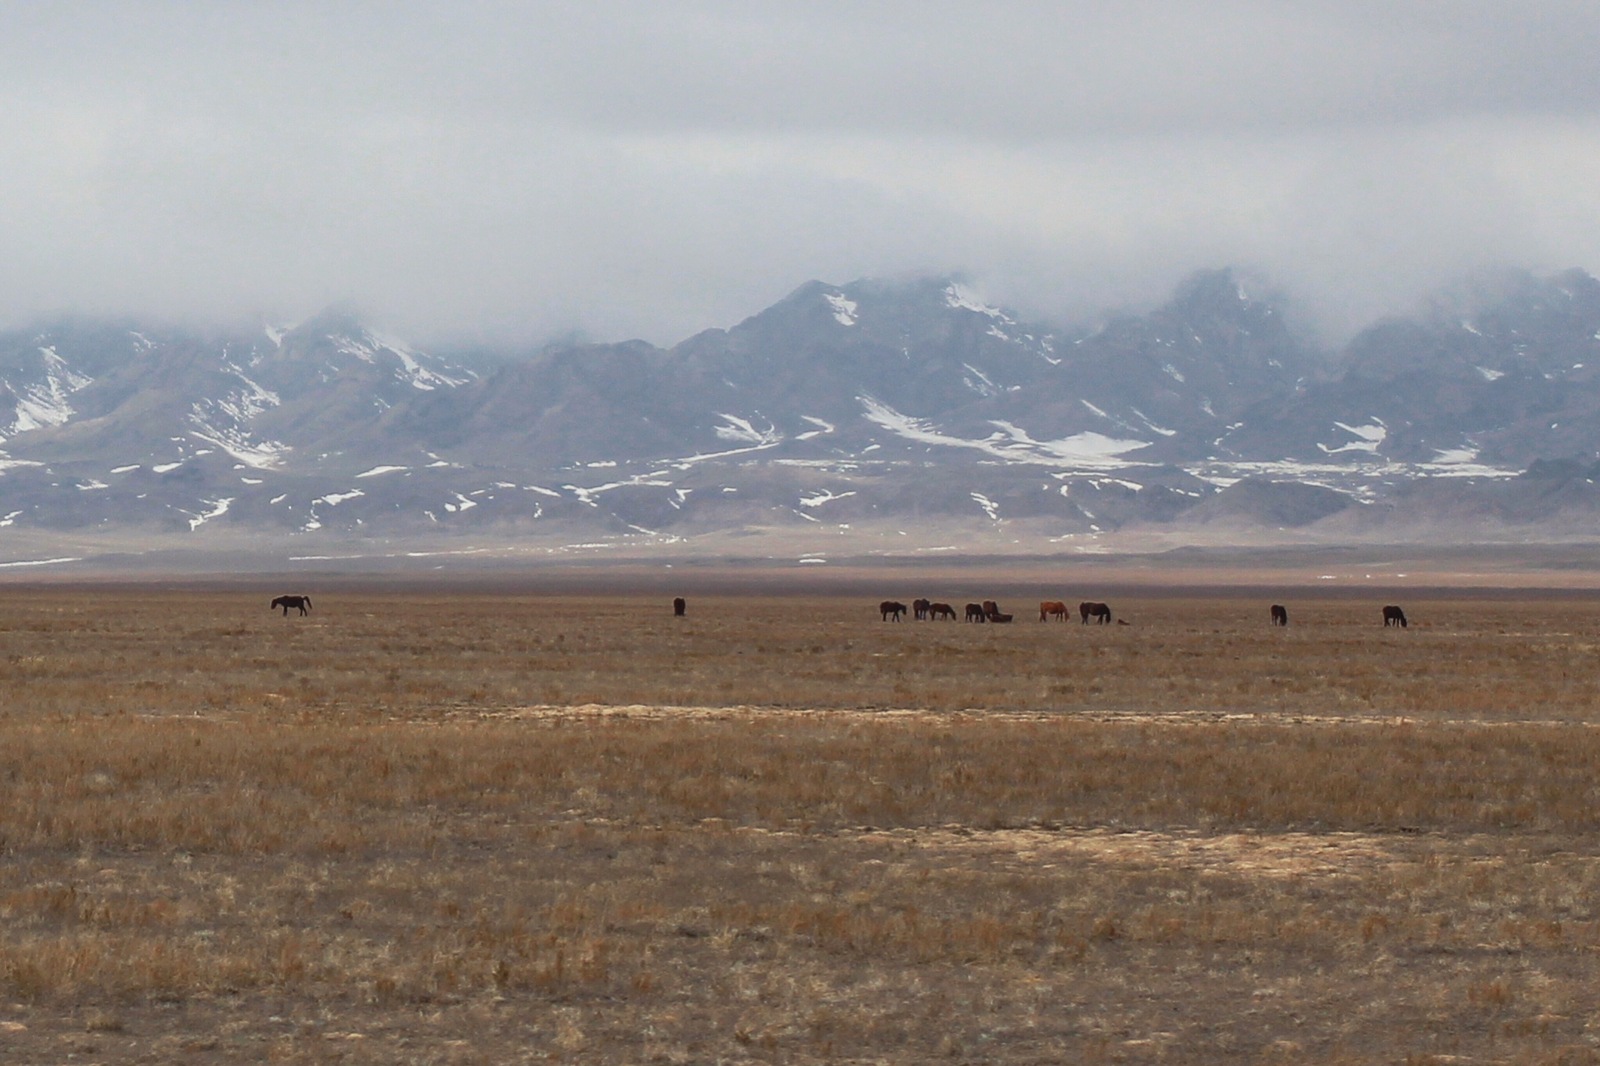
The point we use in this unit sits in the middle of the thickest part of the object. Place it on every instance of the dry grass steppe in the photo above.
(425, 825)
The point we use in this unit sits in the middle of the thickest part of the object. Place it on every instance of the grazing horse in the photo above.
(1052, 609)
(891, 610)
(976, 613)
(679, 606)
(937, 611)
(919, 609)
(992, 612)
(1280, 615)
(286, 602)
(1098, 611)
(1394, 616)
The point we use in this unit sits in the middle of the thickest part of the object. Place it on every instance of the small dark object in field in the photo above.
(286, 602)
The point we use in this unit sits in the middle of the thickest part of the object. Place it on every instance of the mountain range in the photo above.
(871, 416)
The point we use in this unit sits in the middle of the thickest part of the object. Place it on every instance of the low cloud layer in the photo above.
(512, 171)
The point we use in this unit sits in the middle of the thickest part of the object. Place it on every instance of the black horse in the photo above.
(1394, 616)
(1100, 612)
(286, 602)
(891, 610)
(1280, 615)
(679, 606)
(976, 613)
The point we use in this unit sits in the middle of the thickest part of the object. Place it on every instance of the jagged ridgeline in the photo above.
(864, 410)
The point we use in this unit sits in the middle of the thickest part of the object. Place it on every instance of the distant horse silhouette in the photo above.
(1394, 616)
(976, 613)
(303, 603)
(919, 609)
(937, 611)
(1098, 611)
(891, 610)
(1280, 615)
(1052, 609)
(680, 607)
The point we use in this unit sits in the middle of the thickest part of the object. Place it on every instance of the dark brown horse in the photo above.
(919, 609)
(937, 611)
(302, 603)
(891, 610)
(1098, 611)
(1280, 615)
(680, 606)
(976, 613)
(1052, 609)
(1394, 616)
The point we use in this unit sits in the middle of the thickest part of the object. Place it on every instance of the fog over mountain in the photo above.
(514, 171)
(872, 417)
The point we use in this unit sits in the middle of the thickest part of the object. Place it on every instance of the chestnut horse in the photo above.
(1052, 609)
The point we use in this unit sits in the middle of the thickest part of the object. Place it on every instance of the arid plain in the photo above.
(460, 825)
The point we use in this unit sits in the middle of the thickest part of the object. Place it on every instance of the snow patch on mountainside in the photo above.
(960, 296)
(823, 496)
(1368, 438)
(743, 431)
(216, 509)
(844, 308)
(44, 404)
(822, 428)
(1085, 451)
(369, 346)
(982, 386)
(224, 422)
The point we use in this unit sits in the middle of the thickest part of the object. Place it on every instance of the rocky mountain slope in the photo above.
(842, 412)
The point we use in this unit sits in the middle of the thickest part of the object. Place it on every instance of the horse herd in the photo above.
(1100, 613)
(927, 610)
(989, 611)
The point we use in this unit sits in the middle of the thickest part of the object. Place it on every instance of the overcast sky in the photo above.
(509, 171)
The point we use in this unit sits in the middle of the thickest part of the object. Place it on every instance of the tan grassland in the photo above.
(446, 826)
